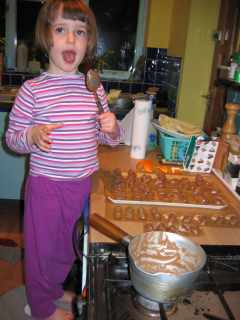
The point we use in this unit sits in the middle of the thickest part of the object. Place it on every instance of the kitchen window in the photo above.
(121, 28)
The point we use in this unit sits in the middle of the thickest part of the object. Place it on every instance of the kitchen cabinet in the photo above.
(179, 28)
(159, 23)
(12, 168)
(166, 28)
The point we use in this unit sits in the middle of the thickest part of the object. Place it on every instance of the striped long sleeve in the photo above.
(49, 99)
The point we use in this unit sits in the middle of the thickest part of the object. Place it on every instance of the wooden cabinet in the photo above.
(12, 169)
(159, 23)
(179, 28)
(167, 25)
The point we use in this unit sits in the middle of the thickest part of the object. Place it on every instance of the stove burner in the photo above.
(216, 292)
(151, 308)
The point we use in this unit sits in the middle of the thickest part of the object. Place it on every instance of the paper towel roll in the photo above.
(141, 123)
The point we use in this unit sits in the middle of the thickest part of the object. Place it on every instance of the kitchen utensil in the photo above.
(92, 83)
(159, 287)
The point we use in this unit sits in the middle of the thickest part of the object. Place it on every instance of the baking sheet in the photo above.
(168, 204)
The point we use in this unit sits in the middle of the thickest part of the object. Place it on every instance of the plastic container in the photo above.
(172, 148)
(22, 57)
(152, 138)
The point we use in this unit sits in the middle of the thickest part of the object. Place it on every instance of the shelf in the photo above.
(228, 83)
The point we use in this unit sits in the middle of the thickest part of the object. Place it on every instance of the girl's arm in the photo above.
(21, 120)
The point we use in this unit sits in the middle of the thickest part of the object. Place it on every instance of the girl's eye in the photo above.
(59, 30)
(81, 33)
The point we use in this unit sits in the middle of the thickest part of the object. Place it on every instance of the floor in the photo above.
(11, 275)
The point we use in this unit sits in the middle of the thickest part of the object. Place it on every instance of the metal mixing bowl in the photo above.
(163, 287)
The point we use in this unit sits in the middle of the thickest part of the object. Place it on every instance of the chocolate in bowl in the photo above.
(154, 252)
(160, 287)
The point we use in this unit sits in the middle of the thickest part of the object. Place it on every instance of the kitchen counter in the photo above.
(7, 97)
(111, 158)
(13, 166)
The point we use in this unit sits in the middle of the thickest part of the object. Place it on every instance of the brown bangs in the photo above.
(74, 12)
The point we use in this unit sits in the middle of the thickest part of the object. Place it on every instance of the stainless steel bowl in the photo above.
(122, 105)
(124, 101)
(163, 287)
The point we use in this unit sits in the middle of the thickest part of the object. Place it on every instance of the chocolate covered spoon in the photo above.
(92, 83)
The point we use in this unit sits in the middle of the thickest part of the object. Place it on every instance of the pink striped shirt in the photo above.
(49, 99)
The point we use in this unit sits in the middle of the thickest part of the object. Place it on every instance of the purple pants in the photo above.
(51, 210)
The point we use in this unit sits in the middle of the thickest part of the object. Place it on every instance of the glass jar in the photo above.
(237, 74)
(236, 58)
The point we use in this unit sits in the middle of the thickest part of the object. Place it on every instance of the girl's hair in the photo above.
(71, 9)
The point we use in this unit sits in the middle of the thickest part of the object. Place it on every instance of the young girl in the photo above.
(55, 119)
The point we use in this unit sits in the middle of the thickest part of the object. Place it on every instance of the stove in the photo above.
(111, 296)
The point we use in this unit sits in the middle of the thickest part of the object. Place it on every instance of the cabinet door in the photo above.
(159, 23)
(12, 168)
(179, 27)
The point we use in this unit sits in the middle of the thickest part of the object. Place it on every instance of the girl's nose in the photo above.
(70, 37)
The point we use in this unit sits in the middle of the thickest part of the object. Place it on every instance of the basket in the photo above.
(172, 148)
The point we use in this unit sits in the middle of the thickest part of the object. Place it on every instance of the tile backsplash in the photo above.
(158, 70)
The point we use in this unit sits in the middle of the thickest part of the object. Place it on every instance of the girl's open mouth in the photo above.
(69, 56)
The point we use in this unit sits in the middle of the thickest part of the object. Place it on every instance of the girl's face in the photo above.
(69, 45)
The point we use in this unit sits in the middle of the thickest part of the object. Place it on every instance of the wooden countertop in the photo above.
(111, 158)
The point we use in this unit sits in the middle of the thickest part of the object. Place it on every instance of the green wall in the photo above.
(197, 61)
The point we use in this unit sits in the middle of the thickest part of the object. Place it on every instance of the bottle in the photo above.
(152, 138)
(152, 94)
(152, 132)
(236, 76)
(232, 68)
(22, 57)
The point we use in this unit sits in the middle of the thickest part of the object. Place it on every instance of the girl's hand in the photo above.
(39, 135)
(108, 123)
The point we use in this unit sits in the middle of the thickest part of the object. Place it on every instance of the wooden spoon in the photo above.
(92, 83)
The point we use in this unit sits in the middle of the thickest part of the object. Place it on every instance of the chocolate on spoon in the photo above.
(92, 83)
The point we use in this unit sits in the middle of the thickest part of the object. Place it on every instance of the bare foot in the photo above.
(68, 297)
(61, 314)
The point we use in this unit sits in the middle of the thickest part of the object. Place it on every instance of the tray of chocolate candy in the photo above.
(180, 220)
(160, 189)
